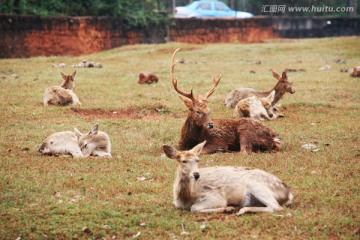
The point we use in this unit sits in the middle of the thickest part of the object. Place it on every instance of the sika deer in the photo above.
(254, 107)
(221, 189)
(222, 135)
(62, 95)
(283, 86)
(94, 143)
(61, 143)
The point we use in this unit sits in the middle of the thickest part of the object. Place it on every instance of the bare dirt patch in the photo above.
(155, 112)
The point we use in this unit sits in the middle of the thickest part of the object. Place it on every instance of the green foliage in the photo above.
(144, 13)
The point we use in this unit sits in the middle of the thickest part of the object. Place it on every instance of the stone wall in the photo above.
(26, 36)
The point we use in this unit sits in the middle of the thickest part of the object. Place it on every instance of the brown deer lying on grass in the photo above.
(147, 78)
(356, 72)
(221, 189)
(222, 135)
(283, 86)
(62, 95)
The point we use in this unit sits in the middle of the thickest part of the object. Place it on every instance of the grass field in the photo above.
(65, 198)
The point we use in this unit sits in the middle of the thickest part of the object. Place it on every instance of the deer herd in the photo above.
(213, 189)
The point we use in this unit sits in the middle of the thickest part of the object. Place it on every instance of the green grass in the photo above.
(55, 197)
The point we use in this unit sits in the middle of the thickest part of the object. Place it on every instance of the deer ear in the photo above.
(63, 76)
(188, 102)
(198, 148)
(94, 130)
(277, 76)
(284, 76)
(77, 133)
(73, 75)
(170, 152)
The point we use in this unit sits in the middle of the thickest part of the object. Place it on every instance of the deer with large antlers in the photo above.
(221, 135)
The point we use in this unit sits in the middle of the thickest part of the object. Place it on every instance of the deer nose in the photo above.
(196, 175)
(271, 115)
(41, 149)
(210, 125)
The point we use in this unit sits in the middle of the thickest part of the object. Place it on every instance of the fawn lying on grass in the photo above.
(222, 135)
(62, 95)
(254, 107)
(221, 189)
(283, 86)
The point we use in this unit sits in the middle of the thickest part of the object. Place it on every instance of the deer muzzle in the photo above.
(196, 175)
(41, 149)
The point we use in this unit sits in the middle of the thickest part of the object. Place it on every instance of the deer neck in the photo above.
(279, 93)
(67, 85)
(183, 188)
(191, 134)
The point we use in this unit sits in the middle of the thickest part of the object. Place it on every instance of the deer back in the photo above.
(58, 96)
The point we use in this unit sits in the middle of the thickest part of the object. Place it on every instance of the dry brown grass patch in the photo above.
(149, 112)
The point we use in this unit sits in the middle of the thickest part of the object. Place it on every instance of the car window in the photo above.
(220, 7)
(204, 6)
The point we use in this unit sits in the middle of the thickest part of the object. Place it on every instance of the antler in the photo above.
(174, 81)
(216, 83)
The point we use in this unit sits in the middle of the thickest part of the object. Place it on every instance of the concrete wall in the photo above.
(26, 36)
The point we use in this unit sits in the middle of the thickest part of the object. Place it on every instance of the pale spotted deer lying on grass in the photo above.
(94, 143)
(254, 107)
(76, 144)
(222, 189)
(222, 135)
(62, 95)
(283, 86)
(61, 143)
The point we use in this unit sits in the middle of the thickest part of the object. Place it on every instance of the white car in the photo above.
(208, 9)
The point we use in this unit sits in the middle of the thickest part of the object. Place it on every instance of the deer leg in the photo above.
(214, 204)
(244, 148)
(258, 194)
(76, 154)
(213, 148)
(101, 154)
(257, 209)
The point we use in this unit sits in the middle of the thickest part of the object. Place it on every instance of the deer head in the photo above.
(69, 81)
(284, 84)
(267, 103)
(188, 160)
(199, 111)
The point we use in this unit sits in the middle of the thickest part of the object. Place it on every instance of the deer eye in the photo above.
(184, 161)
(198, 112)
